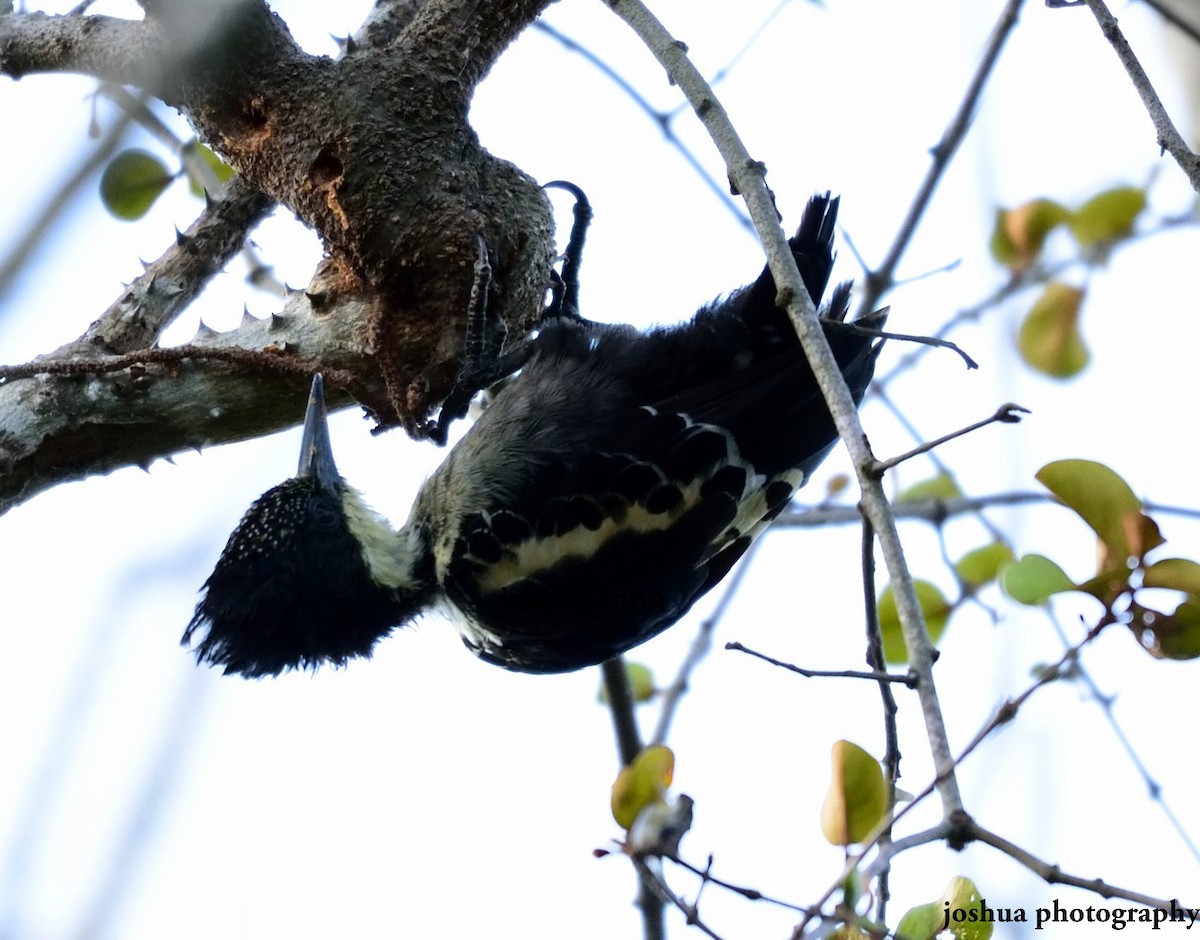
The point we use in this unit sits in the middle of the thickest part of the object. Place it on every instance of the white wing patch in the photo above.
(538, 554)
(526, 559)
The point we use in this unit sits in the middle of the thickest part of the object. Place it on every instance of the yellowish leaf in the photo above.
(933, 605)
(641, 783)
(857, 797)
(1049, 340)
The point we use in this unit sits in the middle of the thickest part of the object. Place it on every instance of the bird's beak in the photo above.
(316, 452)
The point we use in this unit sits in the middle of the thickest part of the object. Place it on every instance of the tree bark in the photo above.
(372, 150)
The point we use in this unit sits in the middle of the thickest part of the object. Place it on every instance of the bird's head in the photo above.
(310, 575)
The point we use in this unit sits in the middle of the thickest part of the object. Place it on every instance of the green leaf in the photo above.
(1049, 340)
(857, 799)
(921, 922)
(982, 565)
(194, 150)
(965, 913)
(851, 932)
(1184, 639)
(960, 908)
(641, 783)
(933, 605)
(1107, 216)
(1103, 500)
(641, 683)
(1033, 579)
(132, 182)
(1170, 636)
(1019, 234)
(1178, 574)
(1108, 584)
(941, 486)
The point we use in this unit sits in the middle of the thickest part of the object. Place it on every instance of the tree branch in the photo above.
(1169, 139)
(55, 428)
(170, 284)
(359, 148)
(126, 52)
(747, 177)
(1054, 875)
(629, 744)
(881, 279)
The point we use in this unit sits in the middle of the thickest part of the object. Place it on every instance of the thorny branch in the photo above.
(367, 171)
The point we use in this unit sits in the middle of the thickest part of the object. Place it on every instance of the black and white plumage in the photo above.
(615, 479)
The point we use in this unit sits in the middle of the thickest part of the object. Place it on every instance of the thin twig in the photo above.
(891, 734)
(34, 233)
(1174, 19)
(629, 743)
(661, 119)
(747, 176)
(921, 340)
(1054, 875)
(621, 705)
(1018, 281)
(957, 828)
(1007, 413)
(937, 511)
(750, 894)
(873, 676)
(1169, 138)
(882, 279)
(699, 649)
(759, 31)
(664, 893)
(1105, 703)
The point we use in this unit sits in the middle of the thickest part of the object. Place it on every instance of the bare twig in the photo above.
(874, 676)
(1169, 138)
(629, 743)
(891, 734)
(957, 828)
(1174, 19)
(699, 649)
(881, 279)
(937, 511)
(747, 176)
(1054, 875)
(1006, 414)
(621, 705)
(1105, 704)
(649, 876)
(750, 894)
(38, 228)
(661, 119)
(931, 341)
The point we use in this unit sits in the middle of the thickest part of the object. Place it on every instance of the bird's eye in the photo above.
(322, 516)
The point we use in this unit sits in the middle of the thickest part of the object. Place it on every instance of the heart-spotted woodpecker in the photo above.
(615, 478)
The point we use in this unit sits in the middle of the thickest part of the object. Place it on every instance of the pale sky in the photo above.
(426, 794)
